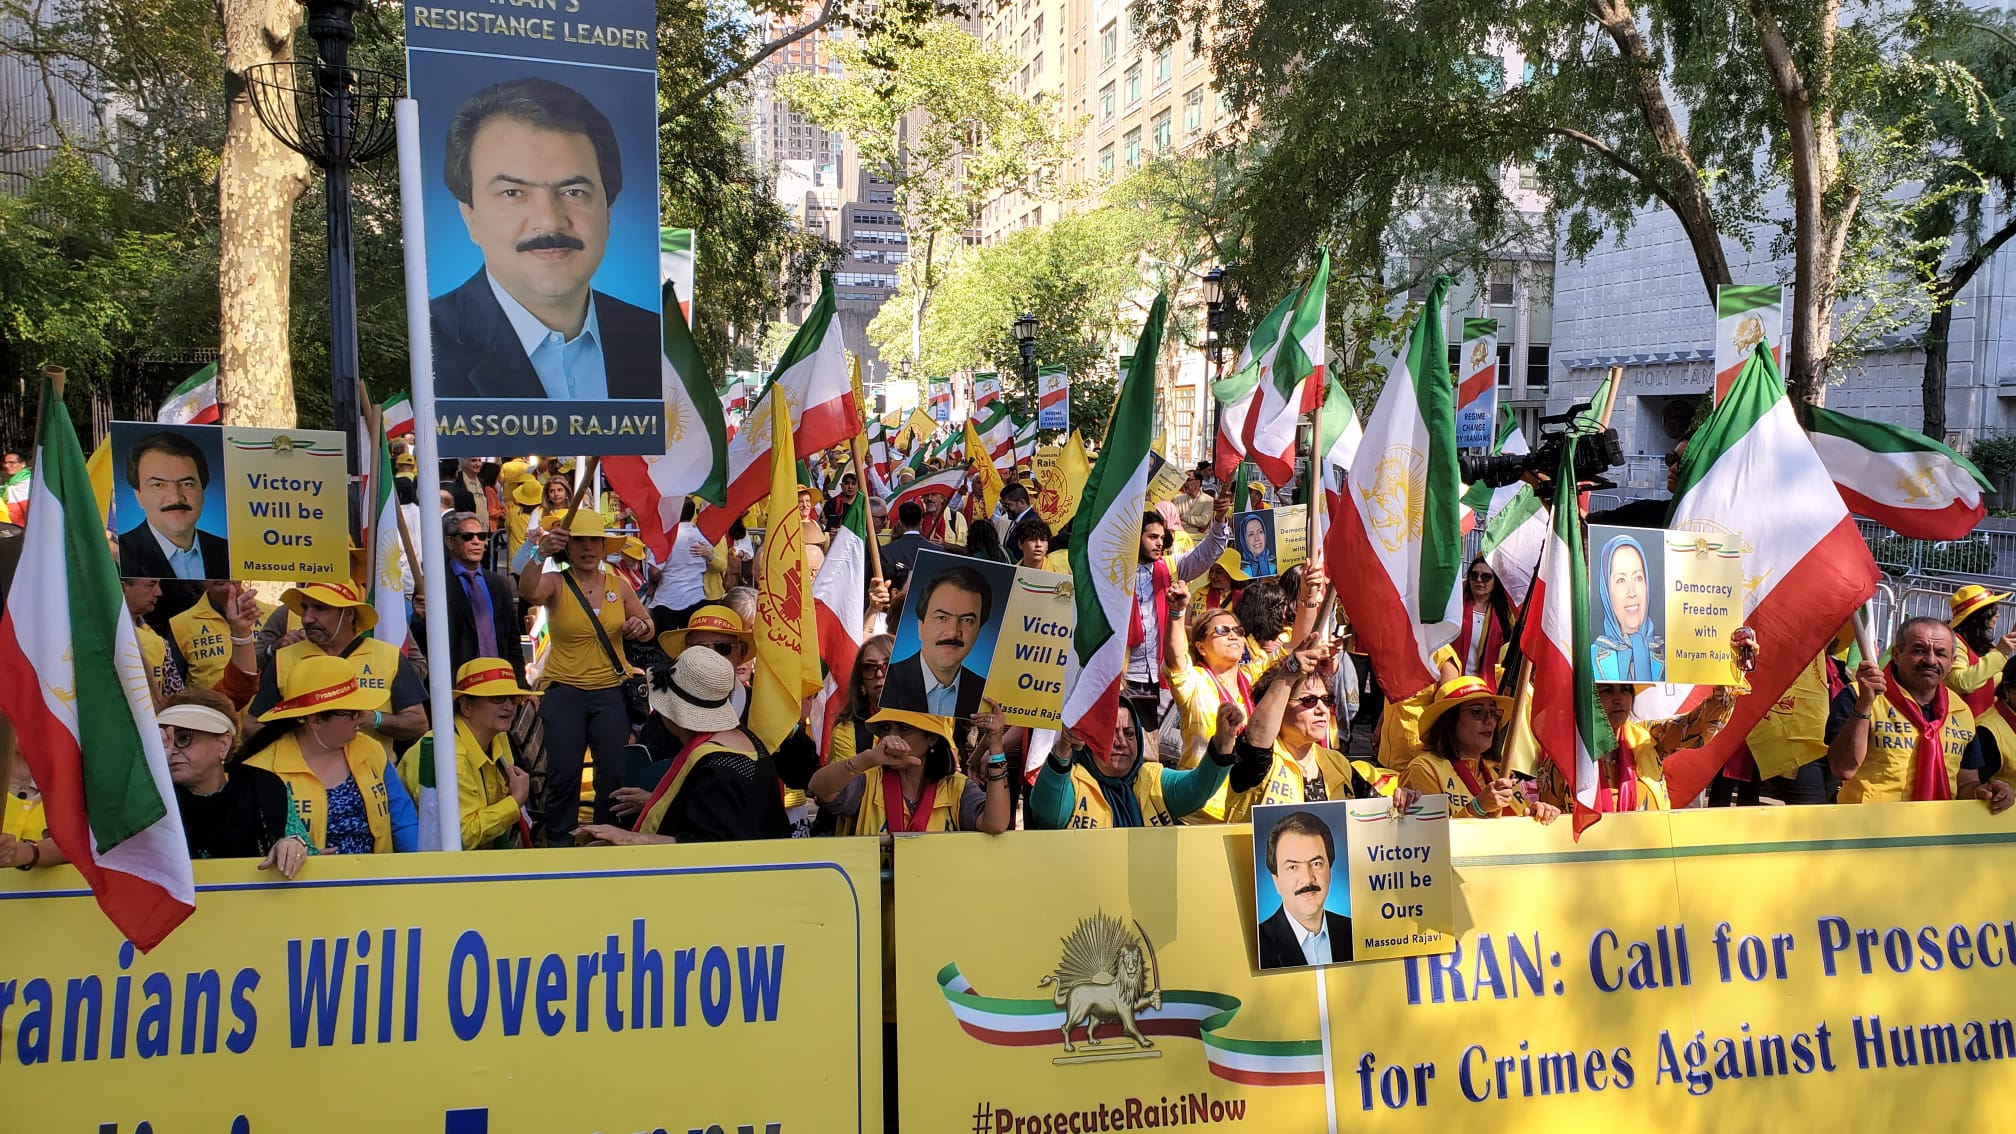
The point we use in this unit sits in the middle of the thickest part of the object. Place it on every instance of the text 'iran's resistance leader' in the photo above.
(536, 168)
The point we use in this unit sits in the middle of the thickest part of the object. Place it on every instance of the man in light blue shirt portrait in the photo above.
(951, 610)
(168, 474)
(1301, 854)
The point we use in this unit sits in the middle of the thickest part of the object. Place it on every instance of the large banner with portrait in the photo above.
(539, 134)
(522, 992)
(1753, 969)
(229, 502)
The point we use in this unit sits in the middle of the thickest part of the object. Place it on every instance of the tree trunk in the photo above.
(259, 180)
(1937, 331)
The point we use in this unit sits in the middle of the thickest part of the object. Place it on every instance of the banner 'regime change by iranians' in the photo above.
(1700, 972)
(564, 990)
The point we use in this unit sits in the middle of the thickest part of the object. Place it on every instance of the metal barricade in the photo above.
(1985, 555)
(1933, 598)
(1883, 613)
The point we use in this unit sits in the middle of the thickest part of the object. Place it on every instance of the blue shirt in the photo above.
(187, 564)
(943, 700)
(569, 369)
(1315, 946)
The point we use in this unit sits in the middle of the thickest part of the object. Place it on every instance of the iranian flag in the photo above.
(1912, 484)
(1025, 441)
(389, 582)
(1482, 499)
(1751, 479)
(1338, 441)
(1239, 393)
(398, 413)
(1515, 519)
(946, 484)
(194, 402)
(72, 681)
(1399, 532)
(840, 606)
(695, 461)
(1568, 725)
(1298, 385)
(1108, 548)
(813, 373)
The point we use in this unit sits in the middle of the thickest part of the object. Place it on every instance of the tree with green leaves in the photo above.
(931, 110)
(1704, 110)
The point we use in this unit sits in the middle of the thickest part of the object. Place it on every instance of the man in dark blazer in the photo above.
(468, 584)
(536, 169)
(1300, 854)
(951, 611)
(168, 475)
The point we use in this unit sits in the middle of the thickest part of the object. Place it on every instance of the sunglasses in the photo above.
(1672, 460)
(1481, 576)
(465, 537)
(1224, 630)
(725, 649)
(873, 668)
(1312, 700)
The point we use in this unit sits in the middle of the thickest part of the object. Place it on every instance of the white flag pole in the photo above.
(447, 833)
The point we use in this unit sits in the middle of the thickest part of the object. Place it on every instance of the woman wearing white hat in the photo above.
(228, 810)
(342, 780)
(721, 786)
(489, 784)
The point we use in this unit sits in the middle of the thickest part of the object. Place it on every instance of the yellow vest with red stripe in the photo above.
(368, 763)
(1974, 676)
(1993, 723)
(1637, 740)
(377, 663)
(1793, 732)
(873, 817)
(654, 815)
(1090, 810)
(1285, 783)
(1886, 772)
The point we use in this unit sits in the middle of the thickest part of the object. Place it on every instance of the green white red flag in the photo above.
(840, 607)
(1906, 481)
(1398, 526)
(389, 584)
(1239, 393)
(813, 373)
(1751, 479)
(1105, 556)
(695, 461)
(398, 414)
(73, 683)
(1338, 444)
(194, 402)
(1568, 725)
(1287, 382)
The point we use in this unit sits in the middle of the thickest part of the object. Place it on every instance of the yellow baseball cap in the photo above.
(332, 594)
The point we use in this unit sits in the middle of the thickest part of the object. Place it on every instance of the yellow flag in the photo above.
(100, 469)
(1059, 484)
(985, 475)
(920, 426)
(787, 642)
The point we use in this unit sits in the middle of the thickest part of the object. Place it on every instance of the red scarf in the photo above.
(1928, 766)
(1137, 633)
(1623, 797)
(1494, 640)
(1470, 782)
(1244, 683)
(670, 777)
(893, 805)
(2008, 718)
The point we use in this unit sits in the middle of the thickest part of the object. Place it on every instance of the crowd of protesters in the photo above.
(601, 694)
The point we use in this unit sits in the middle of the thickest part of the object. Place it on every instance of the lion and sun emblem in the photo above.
(1107, 975)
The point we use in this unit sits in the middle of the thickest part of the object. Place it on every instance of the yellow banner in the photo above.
(557, 992)
(1756, 969)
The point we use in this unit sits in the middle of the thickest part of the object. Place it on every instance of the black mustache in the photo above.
(547, 240)
(951, 642)
(176, 508)
(1311, 888)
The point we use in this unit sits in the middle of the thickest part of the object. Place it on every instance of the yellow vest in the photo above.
(1430, 774)
(575, 656)
(1793, 732)
(205, 641)
(874, 817)
(1972, 676)
(26, 818)
(1197, 696)
(377, 663)
(517, 521)
(1285, 782)
(1885, 775)
(367, 762)
(153, 655)
(1637, 740)
(488, 811)
(1089, 808)
(1992, 723)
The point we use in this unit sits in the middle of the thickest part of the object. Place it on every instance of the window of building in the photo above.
(1106, 98)
(1132, 81)
(1529, 177)
(1165, 66)
(1193, 111)
(1501, 286)
(1538, 358)
(1160, 127)
(1109, 44)
(1131, 144)
(1038, 25)
(1038, 214)
(1036, 64)
(1106, 159)
(1133, 28)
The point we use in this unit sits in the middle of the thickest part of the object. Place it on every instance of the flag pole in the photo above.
(433, 542)
(861, 476)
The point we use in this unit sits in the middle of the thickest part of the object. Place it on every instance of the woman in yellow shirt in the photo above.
(590, 610)
(1284, 755)
(1459, 755)
(489, 784)
(911, 780)
(341, 779)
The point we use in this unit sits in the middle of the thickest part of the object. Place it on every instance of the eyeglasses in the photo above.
(182, 738)
(1312, 700)
(1672, 460)
(872, 668)
(1224, 630)
(1481, 576)
(465, 537)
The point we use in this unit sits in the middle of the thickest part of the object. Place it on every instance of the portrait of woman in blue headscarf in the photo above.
(1629, 648)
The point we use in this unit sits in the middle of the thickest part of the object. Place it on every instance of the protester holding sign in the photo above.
(1077, 788)
(912, 780)
(1284, 755)
(1459, 754)
(1902, 734)
(341, 778)
(1630, 647)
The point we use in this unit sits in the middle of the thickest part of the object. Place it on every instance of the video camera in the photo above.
(1596, 451)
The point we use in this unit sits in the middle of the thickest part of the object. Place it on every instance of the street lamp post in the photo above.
(1025, 339)
(1214, 346)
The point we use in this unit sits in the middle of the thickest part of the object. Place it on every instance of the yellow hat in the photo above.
(633, 548)
(936, 726)
(488, 677)
(324, 684)
(332, 594)
(528, 492)
(714, 620)
(1459, 691)
(511, 472)
(1971, 598)
(588, 524)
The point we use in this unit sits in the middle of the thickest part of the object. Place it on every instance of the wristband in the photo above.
(34, 854)
(377, 718)
(997, 758)
(237, 641)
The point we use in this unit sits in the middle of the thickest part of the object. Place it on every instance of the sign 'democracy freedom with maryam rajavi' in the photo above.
(539, 137)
